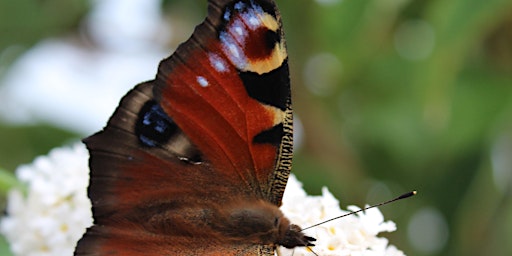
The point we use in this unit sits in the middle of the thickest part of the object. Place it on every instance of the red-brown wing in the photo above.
(126, 172)
(144, 198)
(228, 89)
(215, 126)
(130, 242)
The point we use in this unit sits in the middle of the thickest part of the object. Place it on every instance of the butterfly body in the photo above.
(195, 162)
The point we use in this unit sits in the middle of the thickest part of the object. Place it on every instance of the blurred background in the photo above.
(389, 96)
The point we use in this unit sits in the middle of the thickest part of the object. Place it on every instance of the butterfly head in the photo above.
(293, 237)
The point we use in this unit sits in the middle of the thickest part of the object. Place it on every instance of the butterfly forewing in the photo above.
(213, 131)
(233, 102)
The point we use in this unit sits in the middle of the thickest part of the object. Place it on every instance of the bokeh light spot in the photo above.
(328, 2)
(414, 40)
(428, 230)
(502, 162)
(322, 73)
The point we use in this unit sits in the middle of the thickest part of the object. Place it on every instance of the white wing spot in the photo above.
(239, 31)
(202, 81)
(254, 21)
(234, 37)
(217, 63)
(234, 50)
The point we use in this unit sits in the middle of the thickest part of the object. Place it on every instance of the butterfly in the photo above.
(195, 162)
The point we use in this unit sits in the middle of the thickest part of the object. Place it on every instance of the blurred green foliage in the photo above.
(428, 124)
(25, 22)
(378, 124)
(19, 144)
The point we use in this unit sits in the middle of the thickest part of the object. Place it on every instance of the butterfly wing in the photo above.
(228, 88)
(215, 124)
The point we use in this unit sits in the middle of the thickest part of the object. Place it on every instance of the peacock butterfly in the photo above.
(195, 162)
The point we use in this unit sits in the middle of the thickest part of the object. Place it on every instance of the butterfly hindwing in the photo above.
(143, 197)
(212, 132)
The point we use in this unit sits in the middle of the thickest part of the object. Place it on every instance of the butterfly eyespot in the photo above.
(154, 127)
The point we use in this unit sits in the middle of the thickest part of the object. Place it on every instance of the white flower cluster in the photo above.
(351, 235)
(49, 217)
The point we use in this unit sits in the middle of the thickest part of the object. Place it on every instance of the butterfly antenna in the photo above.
(404, 196)
(309, 248)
